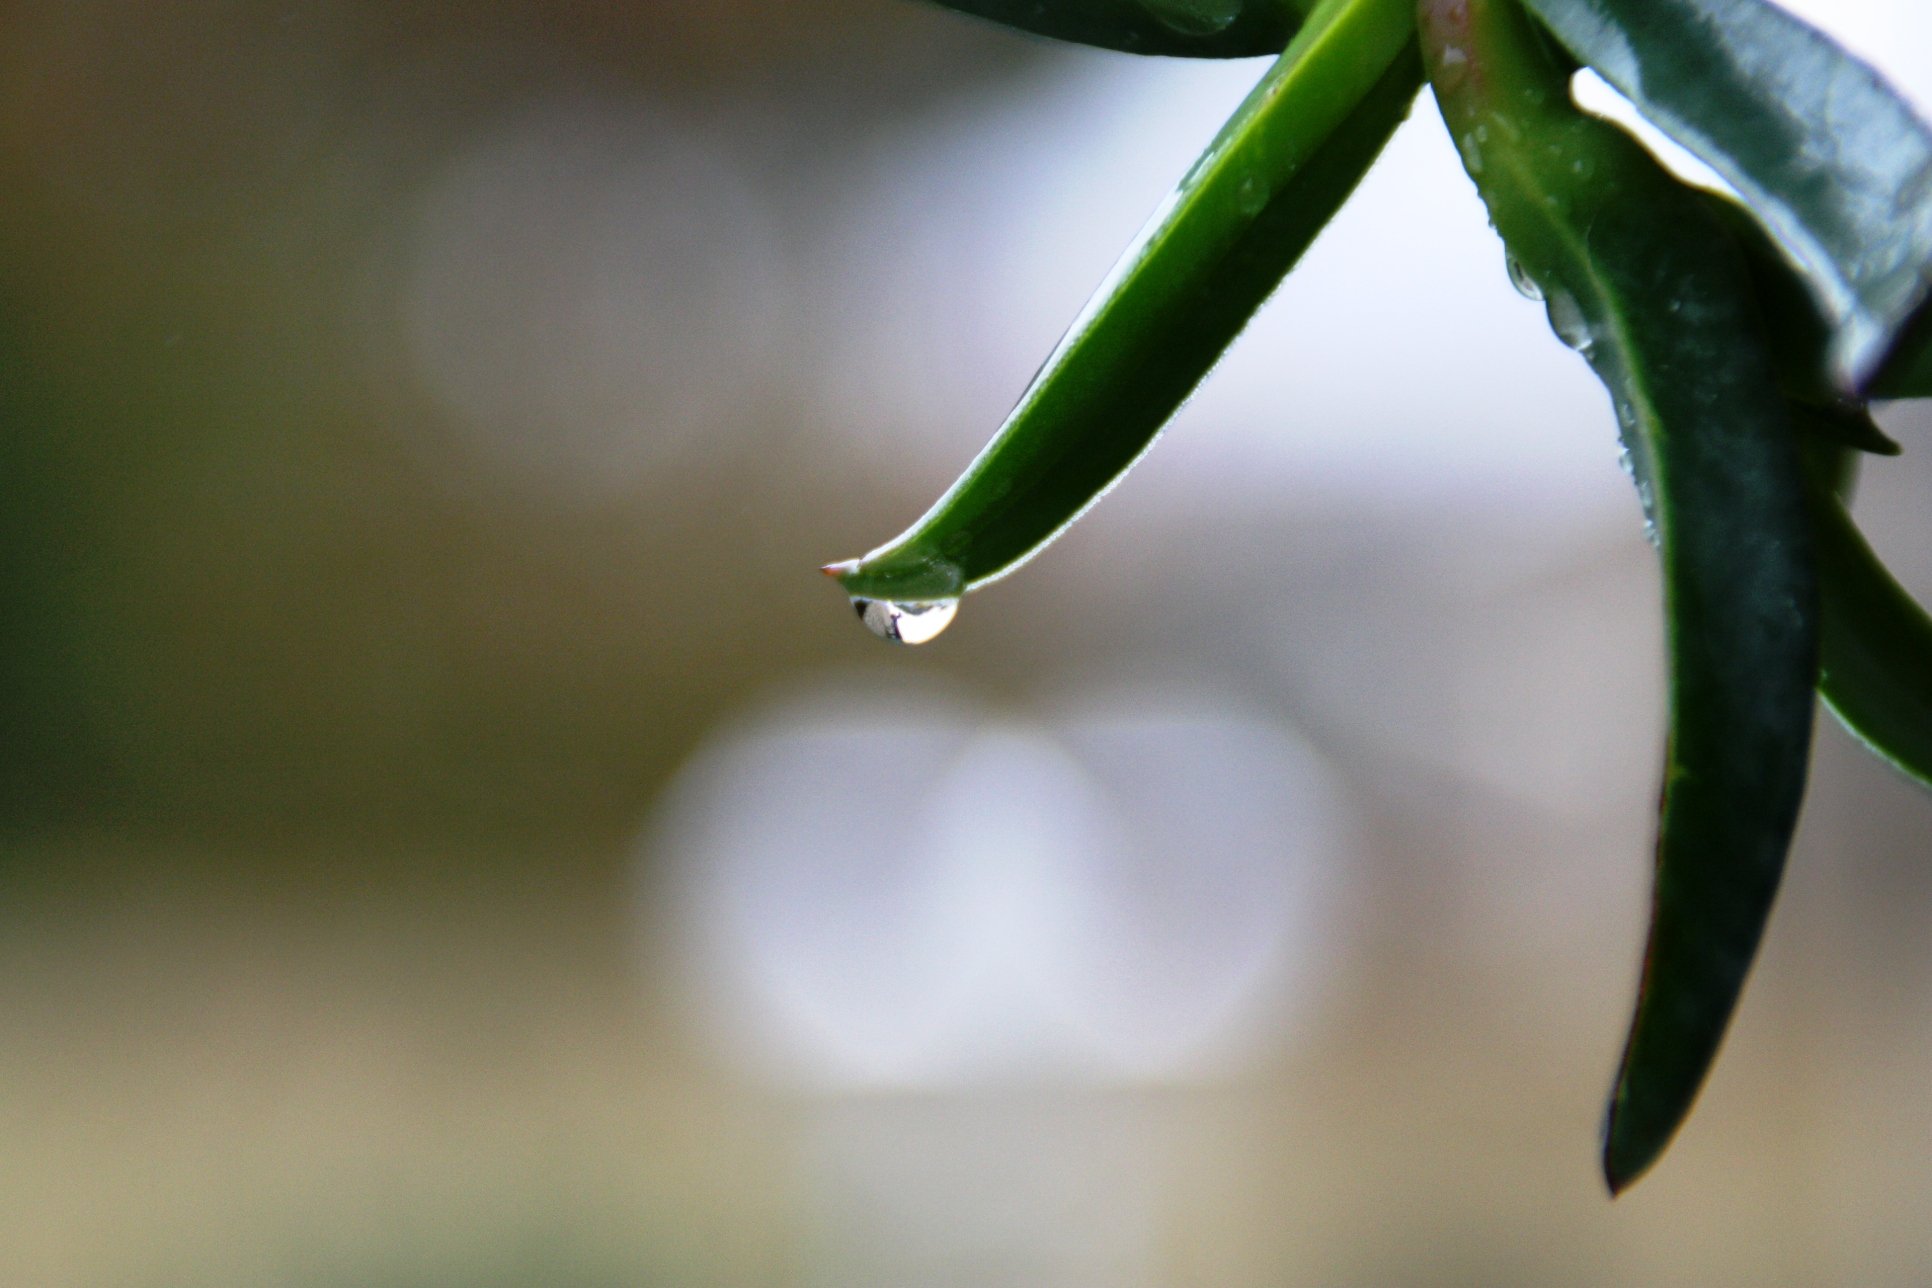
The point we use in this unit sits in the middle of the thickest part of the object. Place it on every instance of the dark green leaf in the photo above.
(1842, 424)
(1907, 372)
(1241, 218)
(1876, 674)
(1182, 28)
(1642, 277)
(1799, 337)
(1828, 155)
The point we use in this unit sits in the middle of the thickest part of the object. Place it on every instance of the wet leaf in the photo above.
(1643, 278)
(1241, 218)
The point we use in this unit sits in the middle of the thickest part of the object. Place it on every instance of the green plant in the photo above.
(1739, 343)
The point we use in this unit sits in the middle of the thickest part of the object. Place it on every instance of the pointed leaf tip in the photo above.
(1625, 1162)
(1241, 218)
(1672, 325)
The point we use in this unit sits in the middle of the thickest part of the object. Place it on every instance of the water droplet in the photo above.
(1251, 196)
(905, 623)
(1472, 157)
(1520, 279)
(1452, 66)
(1195, 17)
(1635, 460)
(1567, 320)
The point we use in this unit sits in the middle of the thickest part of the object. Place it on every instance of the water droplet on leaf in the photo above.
(1520, 279)
(905, 623)
(1472, 156)
(1635, 460)
(1567, 320)
(1252, 195)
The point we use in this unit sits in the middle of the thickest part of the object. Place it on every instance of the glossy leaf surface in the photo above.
(1642, 277)
(1241, 218)
(1828, 154)
(1180, 28)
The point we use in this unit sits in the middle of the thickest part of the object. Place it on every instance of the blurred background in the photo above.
(451, 835)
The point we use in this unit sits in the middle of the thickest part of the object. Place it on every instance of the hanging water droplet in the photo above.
(905, 623)
(1520, 279)
(1567, 320)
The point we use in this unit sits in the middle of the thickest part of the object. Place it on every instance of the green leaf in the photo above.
(1907, 372)
(1842, 424)
(1182, 28)
(1828, 155)
(1876, 673)
(1643, 278)
(1799, 337)
(1255, 200)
